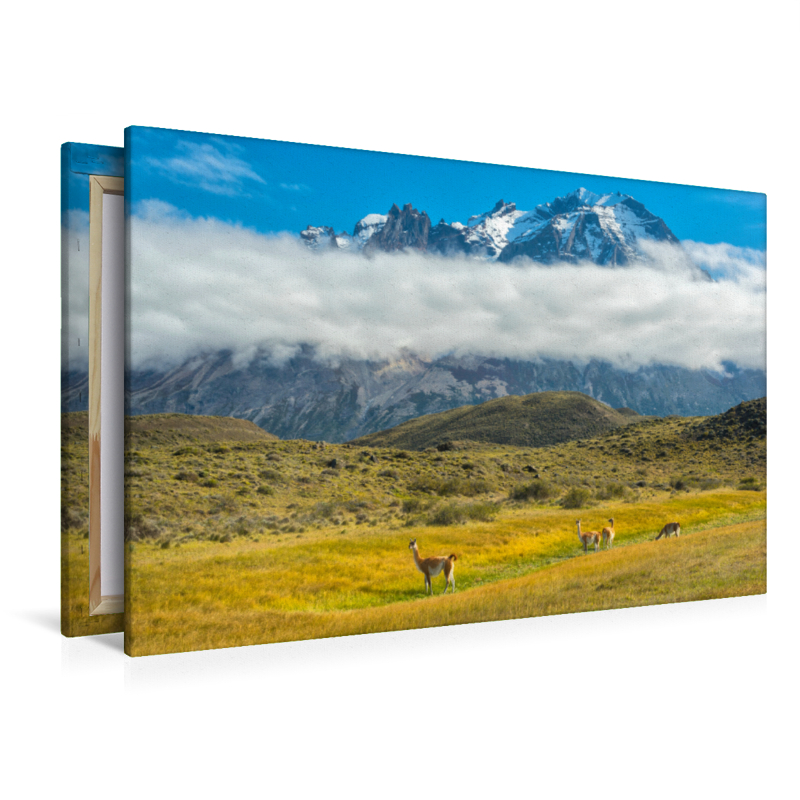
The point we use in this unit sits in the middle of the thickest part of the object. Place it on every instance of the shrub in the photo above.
(356, 505)
(265, 490)
(413, 504)
(325, 510)
(750, 484)
(576, 497)
(186, 476)
(136, 527)
(468, 487)
(537, 490)
(452, 513)
(611, 491)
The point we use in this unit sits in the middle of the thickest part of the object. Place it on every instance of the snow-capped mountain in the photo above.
(324, 236)
(605, 229)
(367, 227)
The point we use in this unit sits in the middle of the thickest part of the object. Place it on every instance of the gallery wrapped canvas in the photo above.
(85, 606)
(370, 392)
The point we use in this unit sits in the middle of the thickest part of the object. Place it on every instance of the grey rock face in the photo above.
(309, 400)
(408, 228)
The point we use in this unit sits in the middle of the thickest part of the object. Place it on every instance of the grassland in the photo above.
(718, 562)
(244, 541)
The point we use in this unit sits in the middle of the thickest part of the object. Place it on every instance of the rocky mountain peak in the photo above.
(406, 229)
(605, 229)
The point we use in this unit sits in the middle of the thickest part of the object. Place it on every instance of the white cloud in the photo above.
(201, 285)
(207, 167)
(743, 265)
(75, 268)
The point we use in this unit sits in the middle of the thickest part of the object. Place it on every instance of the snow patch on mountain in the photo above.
(366, 227)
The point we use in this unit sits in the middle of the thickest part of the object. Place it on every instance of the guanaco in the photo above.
(608, 534)
(588, 537)
(431, 567)
(669, 529)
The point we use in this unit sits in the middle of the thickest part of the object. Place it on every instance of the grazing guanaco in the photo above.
(588, 537)
(608, 534)
(431, 567)
(669, 529)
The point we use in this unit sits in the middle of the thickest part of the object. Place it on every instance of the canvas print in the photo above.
(78, 163)
(370, 392)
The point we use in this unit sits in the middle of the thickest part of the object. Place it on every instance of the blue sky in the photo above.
(273, 186)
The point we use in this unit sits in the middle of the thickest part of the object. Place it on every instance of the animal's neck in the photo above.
(416, 554)
(579, 532)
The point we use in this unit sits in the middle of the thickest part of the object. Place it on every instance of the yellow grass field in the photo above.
(234, 537)
(206, 596)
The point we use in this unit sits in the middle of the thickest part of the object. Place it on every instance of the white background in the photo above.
(697, 700)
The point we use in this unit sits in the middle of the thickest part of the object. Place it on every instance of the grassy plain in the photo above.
(241, 541)
(718, 562)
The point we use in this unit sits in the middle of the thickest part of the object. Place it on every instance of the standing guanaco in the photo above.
(431, 567)
(608, 534)
(588, 537)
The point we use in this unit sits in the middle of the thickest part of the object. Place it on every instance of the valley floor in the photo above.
(220, 596)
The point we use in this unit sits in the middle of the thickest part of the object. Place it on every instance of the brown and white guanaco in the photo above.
(608, 534)
(431, 567)
(669, 529)
(588, 537)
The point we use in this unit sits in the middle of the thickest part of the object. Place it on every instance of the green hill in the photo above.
(533, 420)
(173, 429)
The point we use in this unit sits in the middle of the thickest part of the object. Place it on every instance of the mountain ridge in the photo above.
(534, 420)
(605, 229)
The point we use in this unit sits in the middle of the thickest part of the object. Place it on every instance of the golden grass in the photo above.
(75, 619)
(239, 542)
(718, 562)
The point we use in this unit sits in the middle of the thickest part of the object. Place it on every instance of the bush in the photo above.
(186, 476)
(414, 504)
(750, 484)
(325, 510)
(136, 527)
(611, 491)
(265, 490)
(468, 487)
(453, 514)
(537, 490)
(576, 497)
(269, 474)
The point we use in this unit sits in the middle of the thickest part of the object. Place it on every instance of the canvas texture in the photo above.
(370, 392)
(78, 163)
